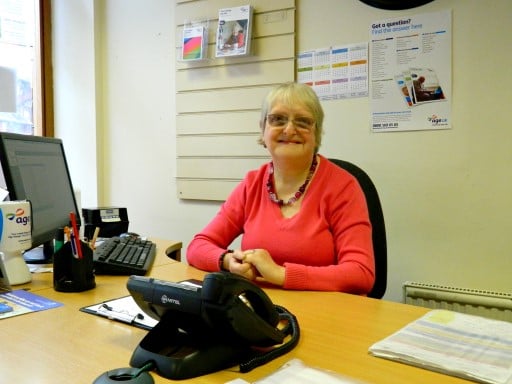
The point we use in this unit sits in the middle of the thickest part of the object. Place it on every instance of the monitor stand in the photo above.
(40, 255)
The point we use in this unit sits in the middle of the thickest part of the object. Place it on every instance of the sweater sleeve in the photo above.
(207, 246)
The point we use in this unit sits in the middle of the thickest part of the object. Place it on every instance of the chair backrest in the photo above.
(378, 228)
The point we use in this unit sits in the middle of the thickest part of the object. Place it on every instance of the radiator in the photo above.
(494, 305)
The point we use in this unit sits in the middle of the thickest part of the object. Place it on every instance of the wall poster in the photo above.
(337, 72)
(410, 67)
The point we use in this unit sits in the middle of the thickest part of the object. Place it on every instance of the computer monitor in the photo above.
(35, 168)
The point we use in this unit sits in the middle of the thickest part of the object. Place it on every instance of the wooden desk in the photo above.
(64, 345)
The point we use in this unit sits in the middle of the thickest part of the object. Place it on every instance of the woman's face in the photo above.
(289, 132)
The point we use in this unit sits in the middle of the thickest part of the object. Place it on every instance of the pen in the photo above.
(76, 234)
(124, 316)
(73, 245)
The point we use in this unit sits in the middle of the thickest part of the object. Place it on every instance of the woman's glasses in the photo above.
(281, 121)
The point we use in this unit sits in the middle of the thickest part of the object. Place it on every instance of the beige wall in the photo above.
(446, 194)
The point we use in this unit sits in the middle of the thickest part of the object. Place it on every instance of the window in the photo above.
(25, 50)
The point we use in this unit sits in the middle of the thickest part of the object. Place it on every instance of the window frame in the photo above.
(43, 71)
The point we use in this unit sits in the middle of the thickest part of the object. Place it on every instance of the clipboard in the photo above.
(124, 310)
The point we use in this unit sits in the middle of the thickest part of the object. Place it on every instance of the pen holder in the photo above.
(71, 274)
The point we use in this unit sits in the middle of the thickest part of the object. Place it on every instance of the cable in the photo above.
(150, 365)
(291, 329)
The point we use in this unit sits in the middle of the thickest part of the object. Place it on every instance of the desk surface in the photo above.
(65, 345)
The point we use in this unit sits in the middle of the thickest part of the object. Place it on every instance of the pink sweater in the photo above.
(326, 246)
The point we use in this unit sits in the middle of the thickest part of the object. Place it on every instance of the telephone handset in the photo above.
(209, 326)
(241, 309)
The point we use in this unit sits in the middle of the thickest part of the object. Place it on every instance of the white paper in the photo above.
(454, 343)
(295, 371)
(124, 309)
(3, 194)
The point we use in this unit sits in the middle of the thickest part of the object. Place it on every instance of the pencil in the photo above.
(94, 237)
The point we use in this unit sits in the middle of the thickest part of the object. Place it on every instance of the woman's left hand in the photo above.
(261, 260)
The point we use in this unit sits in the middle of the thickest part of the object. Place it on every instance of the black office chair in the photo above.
(378, 228)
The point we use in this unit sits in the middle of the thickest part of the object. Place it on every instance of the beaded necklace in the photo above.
(296, 196)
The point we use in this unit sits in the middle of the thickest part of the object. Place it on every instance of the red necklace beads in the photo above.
(296, 196)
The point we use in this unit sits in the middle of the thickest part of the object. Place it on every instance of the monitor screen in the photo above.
(34, 168)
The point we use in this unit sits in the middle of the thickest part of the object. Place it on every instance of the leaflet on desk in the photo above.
(22, 302)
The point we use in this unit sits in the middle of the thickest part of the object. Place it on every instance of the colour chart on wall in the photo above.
(336, 72)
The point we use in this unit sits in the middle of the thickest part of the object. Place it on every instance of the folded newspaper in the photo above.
(453, 343)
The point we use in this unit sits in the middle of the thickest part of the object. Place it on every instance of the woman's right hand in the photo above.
(235, 262)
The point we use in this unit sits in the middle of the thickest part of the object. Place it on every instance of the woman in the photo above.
(304, 220)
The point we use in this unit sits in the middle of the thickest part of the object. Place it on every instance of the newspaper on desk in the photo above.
(457, 344)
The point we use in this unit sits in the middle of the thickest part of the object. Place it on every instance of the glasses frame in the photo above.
(301, 123)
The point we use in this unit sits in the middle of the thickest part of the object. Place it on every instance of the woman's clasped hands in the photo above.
(255, 263)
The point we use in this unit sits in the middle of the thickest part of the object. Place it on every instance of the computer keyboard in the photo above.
(124, 256)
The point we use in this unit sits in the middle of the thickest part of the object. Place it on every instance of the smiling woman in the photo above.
(304, 219)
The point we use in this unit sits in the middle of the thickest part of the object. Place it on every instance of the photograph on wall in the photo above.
(419, 85)
(403, 89)
(410, 73)
(234, 31)
(426, 87)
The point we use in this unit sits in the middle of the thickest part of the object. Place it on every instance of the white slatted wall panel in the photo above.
(218, 100)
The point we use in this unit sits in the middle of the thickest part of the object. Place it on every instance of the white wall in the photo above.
(446, 194)
(75, 91)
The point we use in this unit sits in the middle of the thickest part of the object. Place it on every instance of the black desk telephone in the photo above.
(213, 325)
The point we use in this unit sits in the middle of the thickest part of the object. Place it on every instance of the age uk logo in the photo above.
(18, 216)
